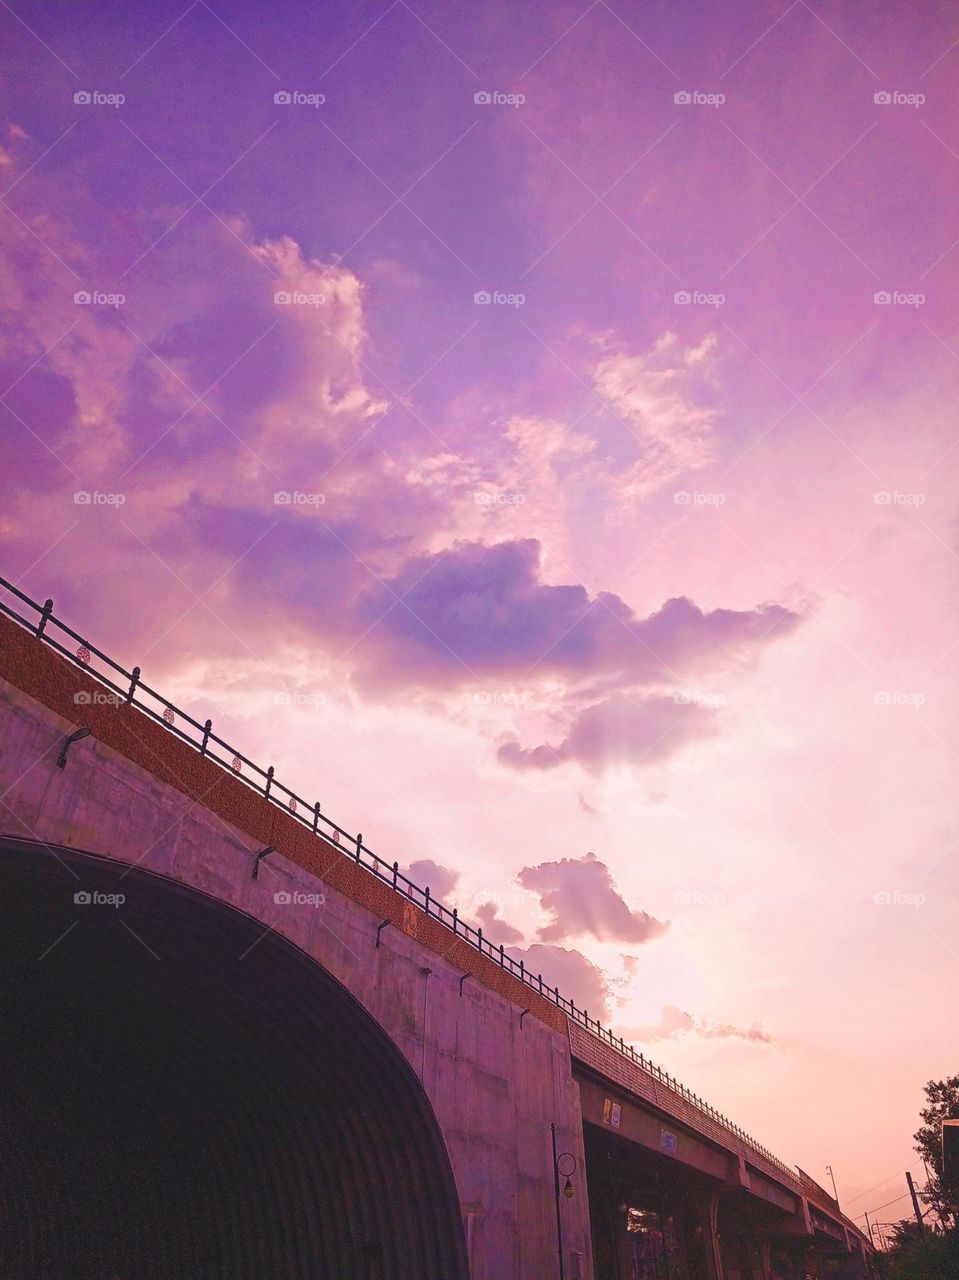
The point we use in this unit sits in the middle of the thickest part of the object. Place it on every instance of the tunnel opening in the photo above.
(186, 1094)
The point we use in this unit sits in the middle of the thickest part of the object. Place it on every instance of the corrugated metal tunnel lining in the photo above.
(185, 1096)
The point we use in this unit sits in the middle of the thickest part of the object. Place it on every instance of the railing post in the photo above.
(134, 681)
(316, 817)
(269, 782)
(206, 737)
(479, 940)
(426, 899)
(359, 845)
(44, 617)
(396, 873)
(455, 919)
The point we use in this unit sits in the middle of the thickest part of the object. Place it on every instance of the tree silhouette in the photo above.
(942, 1097)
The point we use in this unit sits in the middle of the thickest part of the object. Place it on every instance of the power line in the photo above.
(853, 1199)
(904, 1196)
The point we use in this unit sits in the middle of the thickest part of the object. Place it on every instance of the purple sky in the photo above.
(625, 598)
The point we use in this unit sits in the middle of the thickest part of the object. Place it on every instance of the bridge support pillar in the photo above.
(705, 1213)
(766, 1259)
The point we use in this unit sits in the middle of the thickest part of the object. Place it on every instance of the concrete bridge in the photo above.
(238, 1044)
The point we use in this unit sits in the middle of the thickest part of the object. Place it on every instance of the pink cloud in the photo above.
(674, 1024)
(581, 898)
(624, 730)
(495, 927)
(577, 978)
(427, 874)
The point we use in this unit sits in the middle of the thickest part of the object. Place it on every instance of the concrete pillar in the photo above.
(704, 1214)
(766, 1259)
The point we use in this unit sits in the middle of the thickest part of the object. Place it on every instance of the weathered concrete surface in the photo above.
(495, 1080)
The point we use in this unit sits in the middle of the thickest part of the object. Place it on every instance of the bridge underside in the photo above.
(653, 1216)
(183, 1093)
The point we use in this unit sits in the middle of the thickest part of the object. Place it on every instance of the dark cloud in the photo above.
(474, 613)
(637, 731)
(577, 978)
(580, 896)
(495, 927)
(674, 1024)
(479, 610)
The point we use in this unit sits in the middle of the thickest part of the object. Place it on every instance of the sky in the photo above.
(531, 428)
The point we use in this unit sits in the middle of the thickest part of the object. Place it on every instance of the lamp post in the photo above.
(564, 1165)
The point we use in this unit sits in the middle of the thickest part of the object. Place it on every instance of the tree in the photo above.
(920, 1257)
(942, 1097)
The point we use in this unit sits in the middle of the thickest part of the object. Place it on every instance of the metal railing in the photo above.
(129, 687)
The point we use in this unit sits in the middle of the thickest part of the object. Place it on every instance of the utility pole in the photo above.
(835, 1193)
(869, 1229)
(915, 1200)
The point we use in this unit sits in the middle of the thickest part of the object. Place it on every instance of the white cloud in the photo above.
(656, 395)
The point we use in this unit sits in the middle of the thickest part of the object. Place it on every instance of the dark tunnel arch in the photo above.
(171, 1111)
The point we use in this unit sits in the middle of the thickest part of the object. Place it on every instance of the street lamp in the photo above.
(564, 1166)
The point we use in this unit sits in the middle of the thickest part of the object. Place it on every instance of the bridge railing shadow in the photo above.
(124, 686)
